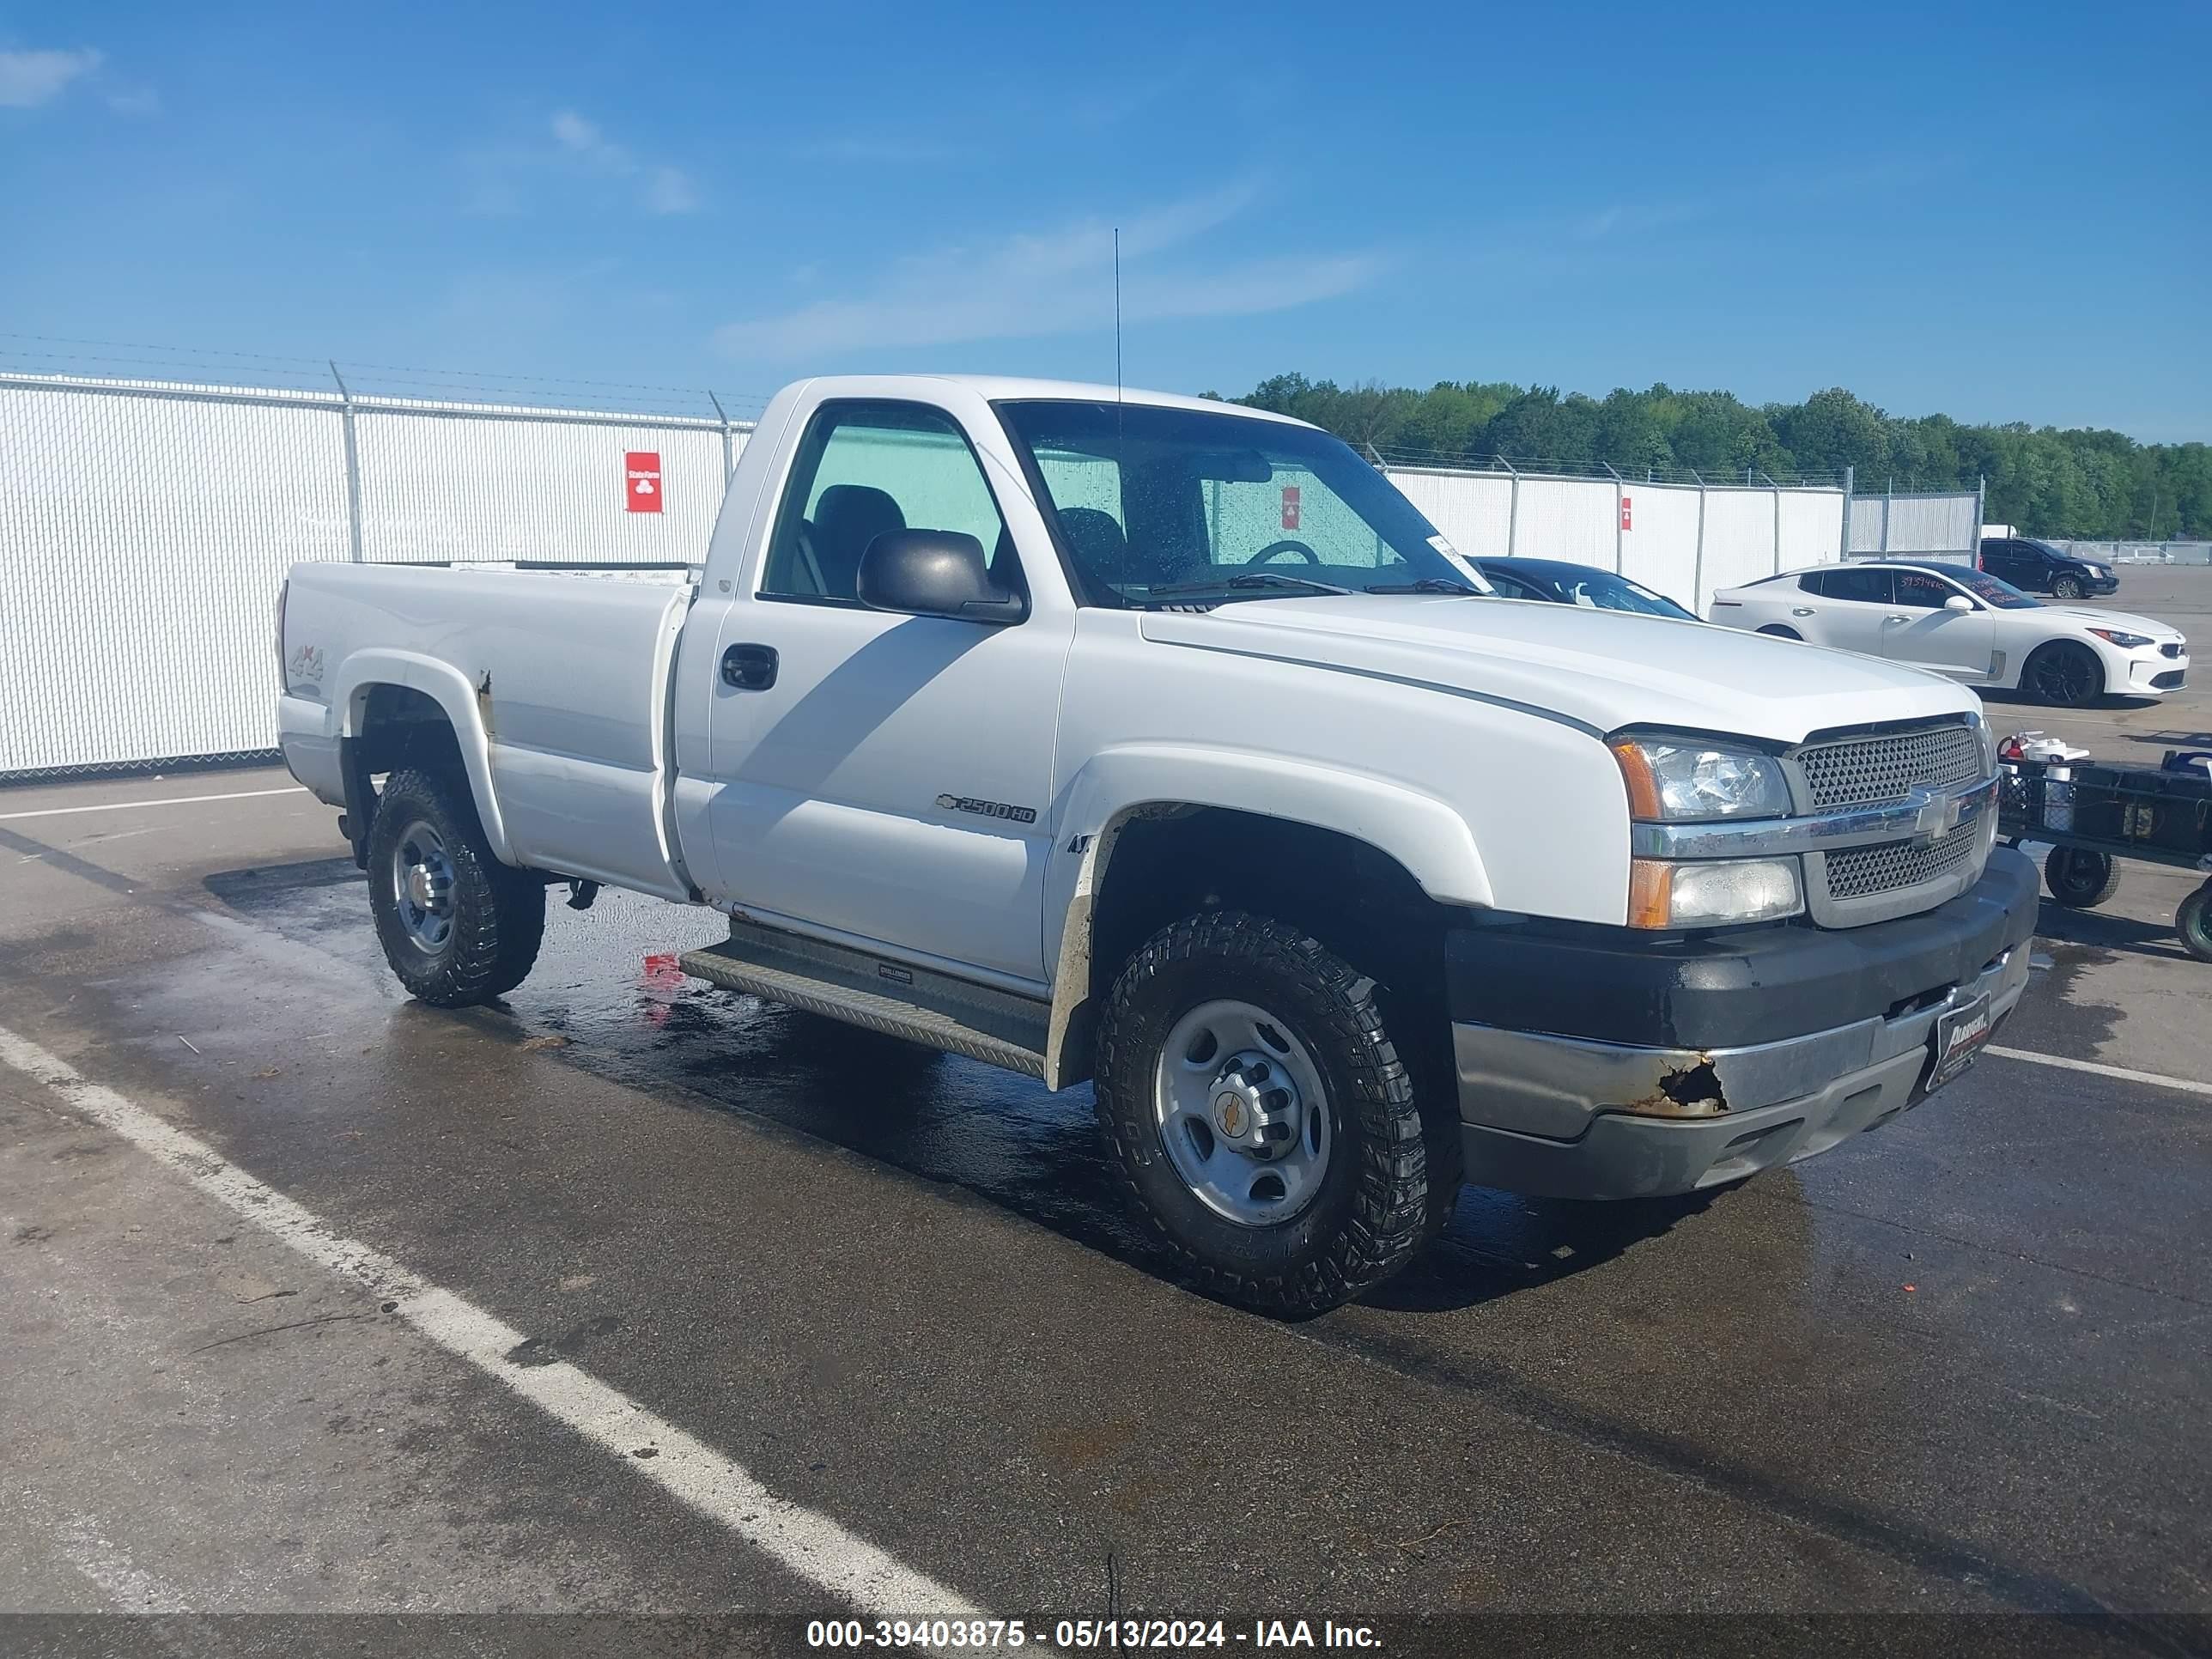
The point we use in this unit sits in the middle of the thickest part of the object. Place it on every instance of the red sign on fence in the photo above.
(1289, 507)
(1626, 502)
(641, 480)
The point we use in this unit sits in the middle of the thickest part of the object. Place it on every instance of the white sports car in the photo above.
(1966, 624)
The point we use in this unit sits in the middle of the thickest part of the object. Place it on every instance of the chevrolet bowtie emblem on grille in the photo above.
(1942, 814)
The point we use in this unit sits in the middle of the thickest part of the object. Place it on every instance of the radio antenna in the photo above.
(1117, 314)
(1120, 462)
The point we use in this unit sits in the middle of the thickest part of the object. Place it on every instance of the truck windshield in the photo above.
(1173, 506)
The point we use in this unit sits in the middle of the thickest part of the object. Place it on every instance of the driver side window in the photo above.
(865, 470)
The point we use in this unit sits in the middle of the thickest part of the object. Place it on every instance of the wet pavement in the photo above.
(1957, 1366)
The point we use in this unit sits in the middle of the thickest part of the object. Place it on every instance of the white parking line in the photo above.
(167, 801)
(2102, 1070)
(809, 1543)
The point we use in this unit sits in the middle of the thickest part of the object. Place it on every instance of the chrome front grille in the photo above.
(1886, 766)
(1854, 885)
(1864, 871)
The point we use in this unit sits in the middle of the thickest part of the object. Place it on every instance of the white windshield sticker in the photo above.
(1460, 563)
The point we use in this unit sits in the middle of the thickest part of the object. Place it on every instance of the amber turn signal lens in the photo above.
(1643, 788)
(1650, 892)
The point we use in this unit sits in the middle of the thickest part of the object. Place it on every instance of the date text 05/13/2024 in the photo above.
(1089, 1634)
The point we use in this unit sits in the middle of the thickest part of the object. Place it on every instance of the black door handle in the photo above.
(749, 667)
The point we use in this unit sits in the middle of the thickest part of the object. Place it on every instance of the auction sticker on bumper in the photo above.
(1961, 1034)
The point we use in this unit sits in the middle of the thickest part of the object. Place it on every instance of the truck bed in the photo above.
(568, 673)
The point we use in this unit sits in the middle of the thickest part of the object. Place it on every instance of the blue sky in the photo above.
(2000, 212)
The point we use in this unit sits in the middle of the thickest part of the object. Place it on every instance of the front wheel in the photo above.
(2066, 588)
(1263, 1121)
(457, 926)
(2063, 674)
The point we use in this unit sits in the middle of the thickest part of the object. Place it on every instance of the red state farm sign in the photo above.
(1627, 502)
(641, 480)
(1289, 507)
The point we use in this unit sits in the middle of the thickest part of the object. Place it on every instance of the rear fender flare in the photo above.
(466, 707)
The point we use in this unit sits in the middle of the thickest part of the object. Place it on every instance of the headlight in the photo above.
(1711, 893)
(2126, 641)
(1686, 781)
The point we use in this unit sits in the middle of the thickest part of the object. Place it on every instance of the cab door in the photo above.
(876, 776)
(1921, 631)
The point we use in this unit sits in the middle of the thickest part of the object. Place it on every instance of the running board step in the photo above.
(996, 1027)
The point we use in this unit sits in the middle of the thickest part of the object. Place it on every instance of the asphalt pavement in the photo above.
(635, 1297)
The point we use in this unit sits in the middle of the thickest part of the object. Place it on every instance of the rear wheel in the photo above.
(2065, 674)
(457, 926)
(2066, 588)
(1780, 632)
(2080, 879)
(2194, 923)
(1263, 1121)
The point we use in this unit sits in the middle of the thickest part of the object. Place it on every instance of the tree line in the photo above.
(2079, 483)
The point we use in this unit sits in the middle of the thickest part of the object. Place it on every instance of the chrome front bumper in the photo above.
(1571, 1118)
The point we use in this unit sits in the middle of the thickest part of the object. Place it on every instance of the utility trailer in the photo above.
(2092, 816)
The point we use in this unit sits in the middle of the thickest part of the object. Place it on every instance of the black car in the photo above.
(2040, 568)
(1560, 583)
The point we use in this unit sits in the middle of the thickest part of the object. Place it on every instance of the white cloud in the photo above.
(889, 150)
(1028, 284)
(135, 100)
(28, 79)
(577, 134)
(1644, 216)
(580, 150)
(670, 191)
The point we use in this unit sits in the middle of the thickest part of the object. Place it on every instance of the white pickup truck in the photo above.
(1161, 743)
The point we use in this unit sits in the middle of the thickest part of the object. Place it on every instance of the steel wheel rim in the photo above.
(423, 887)
(1242, 1114)
(2062, 676)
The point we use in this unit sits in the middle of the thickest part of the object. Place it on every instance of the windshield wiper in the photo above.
(1264, 578)
(1425, 585)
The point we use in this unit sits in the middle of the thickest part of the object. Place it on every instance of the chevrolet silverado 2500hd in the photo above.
(1162, 744)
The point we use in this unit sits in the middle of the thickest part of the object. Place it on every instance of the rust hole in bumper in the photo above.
(1692, 1090)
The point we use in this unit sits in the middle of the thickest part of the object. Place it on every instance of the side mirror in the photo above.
(934, 573)
(1958, 602)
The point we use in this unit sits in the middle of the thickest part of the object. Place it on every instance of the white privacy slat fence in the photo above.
(145, 527)
(144, 530)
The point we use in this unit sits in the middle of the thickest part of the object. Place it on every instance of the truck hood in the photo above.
(1603, 669)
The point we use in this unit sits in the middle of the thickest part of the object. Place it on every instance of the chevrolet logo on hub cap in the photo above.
(1228, 1113)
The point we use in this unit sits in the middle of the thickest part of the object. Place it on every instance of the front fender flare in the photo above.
(1428, 838)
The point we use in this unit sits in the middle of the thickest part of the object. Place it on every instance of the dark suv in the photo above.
(2040, 568)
